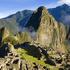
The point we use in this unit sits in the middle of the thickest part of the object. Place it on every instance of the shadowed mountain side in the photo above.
(4, 50)
(35, 18)
(31, 49)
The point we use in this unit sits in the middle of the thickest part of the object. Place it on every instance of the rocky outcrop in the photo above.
(12, 59)
(14, 62)
(49, 33)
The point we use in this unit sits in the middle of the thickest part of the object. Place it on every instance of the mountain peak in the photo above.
(61, 13)
(41, 8)
(36, 17)
(65, 5)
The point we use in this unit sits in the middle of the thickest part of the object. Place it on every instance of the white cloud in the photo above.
(65, 1)
(66, 19)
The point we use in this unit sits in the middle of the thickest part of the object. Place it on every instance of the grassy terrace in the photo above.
(23, 54)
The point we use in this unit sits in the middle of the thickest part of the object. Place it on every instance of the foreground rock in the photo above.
(13, 62)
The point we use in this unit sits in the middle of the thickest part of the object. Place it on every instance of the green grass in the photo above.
(29, 58)
(10, 39)
(23, 54)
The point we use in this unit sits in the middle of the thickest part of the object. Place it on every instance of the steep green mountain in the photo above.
(49, 32)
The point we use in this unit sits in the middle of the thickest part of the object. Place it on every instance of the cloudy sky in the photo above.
(8, 7)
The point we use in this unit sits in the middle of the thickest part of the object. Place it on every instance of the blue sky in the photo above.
(8, 7)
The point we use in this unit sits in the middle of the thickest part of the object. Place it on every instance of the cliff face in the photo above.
(49, 33)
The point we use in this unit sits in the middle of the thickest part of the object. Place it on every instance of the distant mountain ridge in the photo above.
(21, 17)
(16, 22)
(61, 13)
